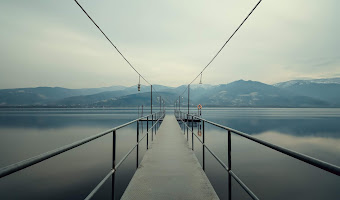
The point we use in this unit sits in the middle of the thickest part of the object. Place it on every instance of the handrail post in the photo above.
(137, 144)
(229, 150)
(188, 97)
(113, 163)
(192, 132)
(156, 124)
(203, 150)
(152, 129)
(229, 164)
(147, 132)
(187, 127)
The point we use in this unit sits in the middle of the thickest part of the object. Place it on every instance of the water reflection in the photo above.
(71, 175)
(323, 122)
(270, 174)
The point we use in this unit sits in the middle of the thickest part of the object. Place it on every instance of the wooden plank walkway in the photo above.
(170, 169)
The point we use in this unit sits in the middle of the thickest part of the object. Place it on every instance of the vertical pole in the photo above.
(188, 97)
(203, 147)
(160, 103)
(229, 164)
(113, 163)
(142, 116)
(179, 103)
(187, 127)
(229, 150)
(229, 186)
(184, 125)
(192, 132)
(151, 117)
(137, 144)
(147, 132)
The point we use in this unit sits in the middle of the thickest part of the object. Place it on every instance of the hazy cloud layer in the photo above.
(52, 43)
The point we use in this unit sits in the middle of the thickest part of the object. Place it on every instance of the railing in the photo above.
(189, 117)
(157, 117)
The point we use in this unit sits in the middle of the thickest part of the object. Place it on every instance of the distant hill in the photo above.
(323, 89)
(133, 100)
(295, 93)
(255, 94)
(45, 95)
(85, 100)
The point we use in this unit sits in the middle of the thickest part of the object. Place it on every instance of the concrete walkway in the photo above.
(169, 170)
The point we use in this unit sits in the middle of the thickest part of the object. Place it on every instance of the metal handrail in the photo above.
(112, 171)
(308, 159)
(5, 171)
(244, 186)
(230, 172)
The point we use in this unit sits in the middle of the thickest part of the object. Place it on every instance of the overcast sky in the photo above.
(52, 43)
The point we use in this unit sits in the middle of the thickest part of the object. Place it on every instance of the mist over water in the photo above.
(72, 175)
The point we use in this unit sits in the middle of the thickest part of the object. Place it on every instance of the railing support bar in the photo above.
(137, 144)
(229, 164)
(192, 133)
(187, 128)
(114, 147)
(229, 150)
(147, 133)
(203, 150)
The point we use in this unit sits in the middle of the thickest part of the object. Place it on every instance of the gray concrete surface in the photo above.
(169, 170)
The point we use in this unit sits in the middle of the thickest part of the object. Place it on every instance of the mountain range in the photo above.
(294, 93)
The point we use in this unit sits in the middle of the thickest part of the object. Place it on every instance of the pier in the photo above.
(169, 170)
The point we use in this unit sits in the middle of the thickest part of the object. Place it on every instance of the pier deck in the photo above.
(170, 169)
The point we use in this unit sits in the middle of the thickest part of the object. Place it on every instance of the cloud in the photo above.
(169, 42)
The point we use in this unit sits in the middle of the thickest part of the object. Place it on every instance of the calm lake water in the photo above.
(269, 174)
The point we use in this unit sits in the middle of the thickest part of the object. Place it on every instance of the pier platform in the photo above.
(170, 169)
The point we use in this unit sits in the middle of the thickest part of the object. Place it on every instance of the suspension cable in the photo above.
(218, 52)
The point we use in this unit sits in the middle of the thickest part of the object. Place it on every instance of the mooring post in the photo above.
(137, 144)
(147, 132)
(113, 163)
(192, 132)
(203, 146)
(229, 164)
